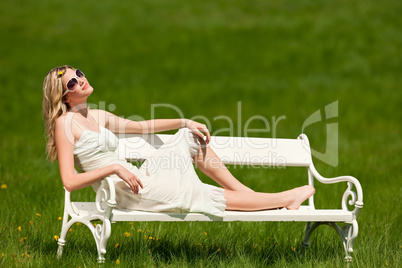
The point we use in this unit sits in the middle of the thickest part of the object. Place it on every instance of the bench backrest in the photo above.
(231, 150)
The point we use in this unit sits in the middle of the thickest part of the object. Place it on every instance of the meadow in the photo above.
(275, 59)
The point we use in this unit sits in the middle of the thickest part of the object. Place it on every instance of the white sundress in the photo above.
(168, 176)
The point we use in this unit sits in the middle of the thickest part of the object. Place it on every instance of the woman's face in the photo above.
(80, 90)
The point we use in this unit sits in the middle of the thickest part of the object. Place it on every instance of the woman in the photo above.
(85, 138)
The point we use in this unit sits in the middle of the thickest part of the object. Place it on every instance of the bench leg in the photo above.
(348, 234)
(64, 229)
(101, 234)
(310, 227)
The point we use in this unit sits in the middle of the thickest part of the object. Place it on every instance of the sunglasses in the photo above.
(71, 84)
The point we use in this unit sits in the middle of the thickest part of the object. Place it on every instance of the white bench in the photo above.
(232, 150)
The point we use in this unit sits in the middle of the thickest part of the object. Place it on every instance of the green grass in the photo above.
(284, 58)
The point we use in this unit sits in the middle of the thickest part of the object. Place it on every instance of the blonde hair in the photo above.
(53, 106)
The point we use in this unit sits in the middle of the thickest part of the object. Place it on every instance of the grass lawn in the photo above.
(281, 59)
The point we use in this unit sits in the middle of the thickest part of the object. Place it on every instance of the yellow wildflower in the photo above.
(56, 237)
(78, 223)
(30, 222)
(151, 238)
(19, 228)
(158, 239)
(70, 230)
(4, 186)
(293, 248)
(2, 254)
(117, 261)
(219, 249)
(25, 255)
(117, 245)
(127, 234)
(139, 230)
(95, 224)
(23, 239)
(37, 214)
(205, 233)
(59, 218)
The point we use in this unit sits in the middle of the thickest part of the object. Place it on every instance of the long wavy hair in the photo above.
(53, 106)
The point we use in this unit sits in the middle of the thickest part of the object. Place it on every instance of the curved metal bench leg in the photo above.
(310, 227)
(64, 229)
(347, 233)
(102, 233)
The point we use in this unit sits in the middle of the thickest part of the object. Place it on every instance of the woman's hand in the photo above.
(196, 128)
(129, 178)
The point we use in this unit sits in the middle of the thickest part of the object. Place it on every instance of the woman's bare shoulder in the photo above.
(61, 120)
(63, 128)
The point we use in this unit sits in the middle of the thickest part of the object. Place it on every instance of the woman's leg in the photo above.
(251, 201)
(240, 197)
(211, 165)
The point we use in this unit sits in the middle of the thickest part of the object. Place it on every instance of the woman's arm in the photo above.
(65, 155)
(120, 125)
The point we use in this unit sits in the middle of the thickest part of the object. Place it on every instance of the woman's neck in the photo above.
(81, 108)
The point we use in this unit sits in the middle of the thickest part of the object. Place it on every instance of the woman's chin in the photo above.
(88, 90)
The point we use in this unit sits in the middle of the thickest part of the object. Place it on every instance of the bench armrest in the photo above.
(356, 199)
(106, 197)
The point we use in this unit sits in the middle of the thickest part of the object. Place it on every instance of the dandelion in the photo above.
(95, 224)
(78, 223)
(205, 233)
(127, 234)
(59, 218)
(70, 230)
(37, 214)
(56, 237)
(117, 245)
(4, 186)
(139, 230)
(2, 254)
(117, 261)
(151, 238)
(219, 249)
(23, 239)
(19, 228)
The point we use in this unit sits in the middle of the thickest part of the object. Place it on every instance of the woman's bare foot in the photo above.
(300, 194)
